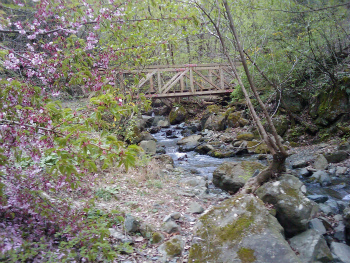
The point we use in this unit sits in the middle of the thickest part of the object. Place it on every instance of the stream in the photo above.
(205, 165)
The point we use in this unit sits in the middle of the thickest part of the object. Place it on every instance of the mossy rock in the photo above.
(330, 105)
(281, 123)
(177, 115)
(293, 209)
(231, 176)
(230, 110)
(215, 122)
(219, 153)
(262, 149)
(157, 238)
(294, 101)
(246, 255)
(173, 247)
(235, 232)
(235, 119)
(245, 137)
(213, 109)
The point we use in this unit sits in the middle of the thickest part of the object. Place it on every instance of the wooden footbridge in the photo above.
(182, 80)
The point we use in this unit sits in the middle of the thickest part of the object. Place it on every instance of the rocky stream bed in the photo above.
(304, 216)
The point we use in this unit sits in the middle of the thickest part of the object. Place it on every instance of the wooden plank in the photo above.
(206, 79)
(217, 75)
(144, 80)
(182, 84)
(159, 82)
(151, 84)
(222, 85)
(175, 81)
(184, 94)
(169, 82)
(191, 80)
(195, 82)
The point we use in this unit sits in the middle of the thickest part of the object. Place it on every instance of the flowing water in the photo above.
(205, 165)
(201, 164)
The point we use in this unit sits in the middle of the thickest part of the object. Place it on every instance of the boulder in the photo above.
(241, 229)
(320, 163)
(311, 247)
(215, 122)
(171, 227)
(336, 157)
(331, 105)
(245, 136)
(163, 124)
(149, 147)
(231, 176)
(281, 124)
(189, 143)
(321, 177)
(224, 153)
(164, 158)
(235, 119)
(293, 209)
(341, 252)
(318, 198)
(131, 224)
(204, 149)
(177, 115)
(318, 226)
(172, 248)
(195, 208)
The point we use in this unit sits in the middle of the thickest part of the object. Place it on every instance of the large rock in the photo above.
(341, 252)
(240, 230)
(281, 124)
(293, 209)
(336, 157)
(235, 119)
(311, 247)
(165, 159)
(177, 115)
(231, 176)
(321, 177)
(149, 147)
(320, 163)
(189, 143)
(330, 106)
(215, 122)
(172, 248)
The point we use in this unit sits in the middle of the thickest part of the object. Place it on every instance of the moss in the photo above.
(213, 109)
(245, 137)
(157, 238)
(291, 192)
(221, 154)
(177, 115)
(262, 148)
(230, 234)
(332, 104)
(246, 255)
(173, 247)
(250, 167)
(235, 230)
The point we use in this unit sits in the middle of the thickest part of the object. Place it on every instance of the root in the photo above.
(276, 167)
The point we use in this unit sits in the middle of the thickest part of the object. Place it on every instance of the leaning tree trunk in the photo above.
(273, 142)
(275, 146)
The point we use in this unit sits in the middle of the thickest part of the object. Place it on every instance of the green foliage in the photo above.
(108, 193)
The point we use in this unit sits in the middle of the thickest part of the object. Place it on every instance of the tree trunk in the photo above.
(273, 143)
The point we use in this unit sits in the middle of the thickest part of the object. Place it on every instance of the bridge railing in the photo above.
(164, 81)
